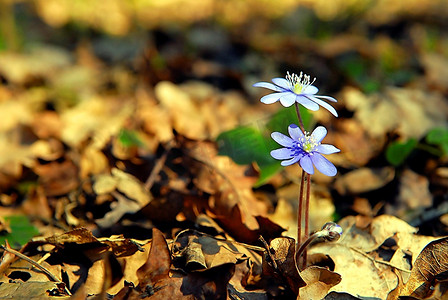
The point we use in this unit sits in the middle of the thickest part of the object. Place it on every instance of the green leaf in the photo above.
(129, 138)
(243, 144)
(439, 136)
(247, 144)
(287, 116)
(396, 152)
(21, 231)
(267, 171)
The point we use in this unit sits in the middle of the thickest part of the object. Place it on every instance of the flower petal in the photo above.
(327, 149)
(291, 161)
(268, 85)
(331, 99)
(310, 90)
(319, 133)
(282, 153)
(282, 139)
(295, 132)
(301, 99)
(288, 99)
(323, 165)
(307, 165)
(282, 82)
(271, 98)
(324, 105)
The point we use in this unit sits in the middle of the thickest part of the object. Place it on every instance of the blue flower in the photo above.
(306, 149)
(296, 89)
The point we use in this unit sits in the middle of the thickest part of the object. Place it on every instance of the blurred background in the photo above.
(87, 86)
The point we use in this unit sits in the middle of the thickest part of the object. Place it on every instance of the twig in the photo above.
(157, 168)
(274, 263)
(37, 265)
(376, 261)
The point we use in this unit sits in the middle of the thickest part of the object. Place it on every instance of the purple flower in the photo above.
(306, 149)
(296, 89)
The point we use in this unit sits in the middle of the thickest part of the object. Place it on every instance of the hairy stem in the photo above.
(307, 214)
(302, 127)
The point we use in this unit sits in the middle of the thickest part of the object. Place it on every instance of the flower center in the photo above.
(308, 143)
(299, 83)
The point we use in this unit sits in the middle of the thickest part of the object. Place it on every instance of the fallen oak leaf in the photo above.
(279, 264)
(430, 266)
(318, 282)
(234, 225)
(82, 238)
(199, 251)
(157, 281)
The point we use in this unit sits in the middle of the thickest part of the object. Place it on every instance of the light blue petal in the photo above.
(282, 153)
(331, 99)
(268, 85)
(323, 165)
(288, 99)
(319, 133)
(310, 90)
(324, 105)
(282, 139)
(327, 149)
(307, 103)
(306, 164)
(282, 82)
(295, 132)
(271, 98)
(291, 161)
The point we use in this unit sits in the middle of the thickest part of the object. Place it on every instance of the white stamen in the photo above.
(299, 83)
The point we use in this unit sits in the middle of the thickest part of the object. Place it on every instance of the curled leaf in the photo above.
(430, 266)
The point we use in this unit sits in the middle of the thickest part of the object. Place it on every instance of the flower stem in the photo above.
(302, 127)
(307, 214)
(297, 260)
(330, 232)
(300, 210)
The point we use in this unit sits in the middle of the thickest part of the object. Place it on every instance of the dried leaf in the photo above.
(131, 187)
(282, 252)
(356, 255)
(364, 180)
(201, 251)
(430, 266)
(318, 282)
(30, 290)
(155, 280)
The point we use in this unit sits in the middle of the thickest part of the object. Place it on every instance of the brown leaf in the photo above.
(364, 180)
(396, 109)
(235, 226)
(429, 267)
(282, 252)
(413, 198)
(395, 293)
(201, 251)
(357, 255)
(156, 279)
(76, 236)
(318, 281)
(81, 236)
(29, 290)
(157, 266)
(58, 178)
(230, 184)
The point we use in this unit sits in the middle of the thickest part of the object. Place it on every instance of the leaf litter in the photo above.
(116, 164)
